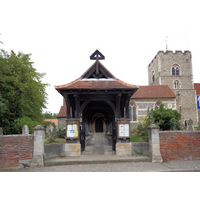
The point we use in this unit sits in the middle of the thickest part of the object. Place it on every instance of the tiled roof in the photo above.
(52, 120)
(96, 84)
(197, 88)
(153, 91)
(63, 112)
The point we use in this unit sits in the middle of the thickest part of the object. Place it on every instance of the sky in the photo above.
(61, 35)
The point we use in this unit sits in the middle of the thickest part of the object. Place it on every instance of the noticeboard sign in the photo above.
(72, 129)
(198, 101)
(123, 127)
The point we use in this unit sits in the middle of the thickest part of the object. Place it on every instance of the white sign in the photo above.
(72, 130)
(123, 130)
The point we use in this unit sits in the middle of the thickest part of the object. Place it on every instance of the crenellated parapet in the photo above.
(186, 52)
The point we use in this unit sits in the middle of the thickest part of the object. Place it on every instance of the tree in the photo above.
(166, 118)
(22, 93)
(49, 115)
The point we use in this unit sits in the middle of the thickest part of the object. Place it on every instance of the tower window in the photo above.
(175, 70)
(153, 76)
(176, 84)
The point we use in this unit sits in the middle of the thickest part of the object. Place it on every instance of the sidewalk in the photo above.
(94, 159)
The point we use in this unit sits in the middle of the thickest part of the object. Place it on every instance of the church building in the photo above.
(104, 97)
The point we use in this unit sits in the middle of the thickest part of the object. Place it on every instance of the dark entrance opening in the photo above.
(99, 125)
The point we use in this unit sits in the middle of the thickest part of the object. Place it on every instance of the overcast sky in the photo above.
(61, 36)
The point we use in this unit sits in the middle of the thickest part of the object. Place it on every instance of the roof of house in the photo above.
(52, 120)
(153, 91)
(62, 112)
(197, 88)
(110, 82)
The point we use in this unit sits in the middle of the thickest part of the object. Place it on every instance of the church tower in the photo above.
(175, 70)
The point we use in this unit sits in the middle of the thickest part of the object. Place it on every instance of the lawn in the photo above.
(136, 138)
(57, 140)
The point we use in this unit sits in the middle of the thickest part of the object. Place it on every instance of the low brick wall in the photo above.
(15, 150)
(180, 145)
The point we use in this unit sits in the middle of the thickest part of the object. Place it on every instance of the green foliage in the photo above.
(198, 127)
(20, 122)
(49, 115)
(172, 123)
(142, 126)
(166, 118)
(47, 123)
(22, 93)
(51, 136)
(61, 132)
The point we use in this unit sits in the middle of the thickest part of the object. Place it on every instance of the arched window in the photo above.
(153, 76)
(176, 84)
(132, 111)
(175, 70)
(157, 105)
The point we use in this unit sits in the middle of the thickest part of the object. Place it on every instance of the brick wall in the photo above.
(14, 149)
(180, 145)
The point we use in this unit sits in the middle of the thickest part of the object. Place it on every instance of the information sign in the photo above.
(72, 130)
(198, 101)
(123, 128)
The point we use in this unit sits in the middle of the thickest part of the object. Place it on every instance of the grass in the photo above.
(55, 141)
(136, 138)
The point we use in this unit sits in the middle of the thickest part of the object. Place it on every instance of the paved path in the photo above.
(98, 145)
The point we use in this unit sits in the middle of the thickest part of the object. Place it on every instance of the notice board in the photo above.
(72, 129)
(123, 128)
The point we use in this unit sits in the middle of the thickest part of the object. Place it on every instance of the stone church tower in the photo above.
(175, 70)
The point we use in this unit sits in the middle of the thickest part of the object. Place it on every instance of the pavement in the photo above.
(99, 157)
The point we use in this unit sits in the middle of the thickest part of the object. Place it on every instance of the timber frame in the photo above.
(97, 91)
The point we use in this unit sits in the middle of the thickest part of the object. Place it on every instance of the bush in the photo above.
(167, 118)
(61, 132)
(20, 122)
(142, 126)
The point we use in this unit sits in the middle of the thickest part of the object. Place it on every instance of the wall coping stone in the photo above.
(153, 126)
(179, 131)
(30, 135)
(39, 127)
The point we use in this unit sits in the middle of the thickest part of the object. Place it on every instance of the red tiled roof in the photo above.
(63, 112)
(96, 84)
(153, 91)
(197, 88)
(52, 120)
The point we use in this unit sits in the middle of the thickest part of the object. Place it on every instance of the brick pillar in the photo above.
(38, 151)
(154, 144)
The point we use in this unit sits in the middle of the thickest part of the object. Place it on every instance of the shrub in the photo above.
(167, 118)
(61, 132)
(142, 126)
(20, 122)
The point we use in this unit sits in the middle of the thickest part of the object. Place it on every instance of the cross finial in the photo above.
(97, 55)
